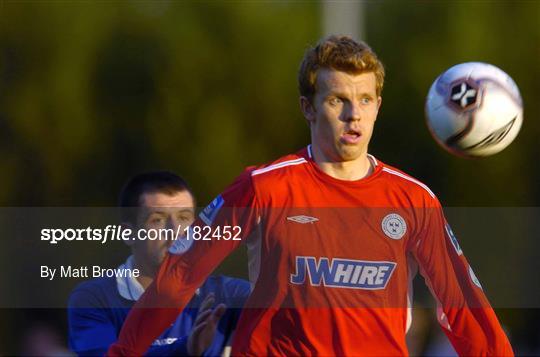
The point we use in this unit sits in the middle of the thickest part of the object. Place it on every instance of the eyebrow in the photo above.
(188, 210)
(344, 95)
(158, 212)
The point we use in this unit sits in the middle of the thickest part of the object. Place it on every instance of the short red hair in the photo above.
(341, 53)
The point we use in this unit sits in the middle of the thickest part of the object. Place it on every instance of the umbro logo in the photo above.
(302, 219)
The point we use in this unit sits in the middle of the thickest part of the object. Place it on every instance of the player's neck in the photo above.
(344, 170)
(147, 273)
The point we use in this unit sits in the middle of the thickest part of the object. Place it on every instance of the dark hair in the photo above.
(148, 182)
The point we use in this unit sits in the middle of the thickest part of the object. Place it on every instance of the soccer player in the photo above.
(98, 308)
(334, 237)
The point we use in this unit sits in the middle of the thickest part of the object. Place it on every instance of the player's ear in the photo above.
(379, 102)
(123, 227)
(307, 109)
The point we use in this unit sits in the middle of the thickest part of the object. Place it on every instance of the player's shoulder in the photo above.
(406, 183)
(93, 292)
(283, 165)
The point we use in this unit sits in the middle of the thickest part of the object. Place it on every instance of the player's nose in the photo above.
(172, 226)
(353, 112)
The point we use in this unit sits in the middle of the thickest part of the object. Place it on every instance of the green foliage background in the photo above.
(94, 92)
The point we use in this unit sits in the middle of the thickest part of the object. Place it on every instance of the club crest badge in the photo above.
(394, 226)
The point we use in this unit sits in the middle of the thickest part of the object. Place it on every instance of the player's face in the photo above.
(342, 114)
(162, 211)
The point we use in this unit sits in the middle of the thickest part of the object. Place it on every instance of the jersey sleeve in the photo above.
(463, 310)
(92, 329)
(229, 219)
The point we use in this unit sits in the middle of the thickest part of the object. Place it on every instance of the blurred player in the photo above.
(334, 238)
(98, 308)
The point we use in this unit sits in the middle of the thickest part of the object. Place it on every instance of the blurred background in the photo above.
(94, 92)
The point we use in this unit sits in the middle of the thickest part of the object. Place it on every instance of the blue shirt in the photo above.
(97, 309)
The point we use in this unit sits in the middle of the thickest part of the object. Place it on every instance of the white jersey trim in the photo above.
(375, 163)
(128, 286)
(410, 179)
(278, 166)
(371, 157)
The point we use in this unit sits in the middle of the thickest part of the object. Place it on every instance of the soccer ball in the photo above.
(474, 109)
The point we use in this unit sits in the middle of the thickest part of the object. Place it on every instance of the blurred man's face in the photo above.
(342, 113)
(161, 211)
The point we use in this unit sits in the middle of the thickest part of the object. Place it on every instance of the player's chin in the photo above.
(349, 152)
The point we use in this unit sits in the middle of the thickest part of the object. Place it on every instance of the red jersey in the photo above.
(330, 262)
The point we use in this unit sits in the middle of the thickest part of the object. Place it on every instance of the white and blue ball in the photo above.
(474, 109)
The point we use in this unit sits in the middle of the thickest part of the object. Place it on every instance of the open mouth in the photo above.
(350, 137)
